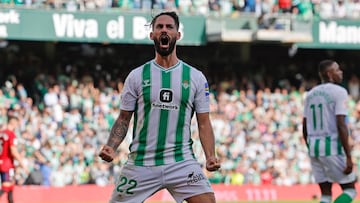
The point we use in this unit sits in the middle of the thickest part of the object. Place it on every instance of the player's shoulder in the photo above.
(135, 72)
(335, 88)
(327, 87)
(194, 70)
(141, 67)
(7, 134)
(188, 65)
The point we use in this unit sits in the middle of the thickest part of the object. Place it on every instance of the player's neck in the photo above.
(330, 81)
(166, 61)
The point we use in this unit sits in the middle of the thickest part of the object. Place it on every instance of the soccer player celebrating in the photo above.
(163, 95)
(326, 134)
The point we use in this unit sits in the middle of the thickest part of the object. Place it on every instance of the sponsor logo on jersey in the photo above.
(207, 92)
(166, 98)
(165, 106)
(194, 178)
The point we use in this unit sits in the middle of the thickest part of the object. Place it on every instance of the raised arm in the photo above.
(207, 140)
(117, 135)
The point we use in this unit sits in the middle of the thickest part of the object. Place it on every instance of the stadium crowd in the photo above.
(257, 130)
(305, 9)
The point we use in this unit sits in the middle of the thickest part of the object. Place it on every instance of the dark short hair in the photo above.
(323, 66)
(168, 13)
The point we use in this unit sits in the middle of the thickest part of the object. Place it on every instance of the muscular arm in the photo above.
(206, 134)
(343, 134)
(117, 135)
(207, 140)
(119, 129)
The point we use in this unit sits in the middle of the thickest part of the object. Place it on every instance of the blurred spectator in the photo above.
(340, 9)
(354, 87)
(326, 9)
(263, 9)
(283, 6)
(353, 8)
(257, 130)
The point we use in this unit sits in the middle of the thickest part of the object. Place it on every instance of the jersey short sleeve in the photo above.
(202, 94)
(129, 92)
(341, 97)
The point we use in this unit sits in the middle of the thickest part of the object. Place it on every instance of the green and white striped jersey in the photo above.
(163, 101)
(322, 104)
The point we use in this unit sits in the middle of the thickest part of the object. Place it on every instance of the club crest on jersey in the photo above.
(146, 83)
(207, 91)
(185, 84)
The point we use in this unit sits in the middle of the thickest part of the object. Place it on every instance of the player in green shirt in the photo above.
(163, 95)
(326, 134)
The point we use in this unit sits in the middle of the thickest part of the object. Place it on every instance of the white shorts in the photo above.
(182, 179)
(330, 169)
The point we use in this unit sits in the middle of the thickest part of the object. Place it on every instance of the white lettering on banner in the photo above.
(3, 31)
(261, 194)
(334, 33)
(10, 17)
(140, 28)
(67, 26)
(115, 29)
(226, 195)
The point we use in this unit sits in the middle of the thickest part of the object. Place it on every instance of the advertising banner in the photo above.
(113, 26)
(223, 193)
(334, 34)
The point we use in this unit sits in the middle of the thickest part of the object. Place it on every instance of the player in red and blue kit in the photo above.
(9, 153)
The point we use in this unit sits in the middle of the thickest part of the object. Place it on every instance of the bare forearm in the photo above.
(119, 130)
(16, 155)
(208, 143)
(343, 134)
(344, 139)
(206, 136)
(207, 140)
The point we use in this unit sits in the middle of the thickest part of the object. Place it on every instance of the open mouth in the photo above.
(164, 41)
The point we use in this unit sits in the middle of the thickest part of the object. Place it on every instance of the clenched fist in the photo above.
(107, 153)
(212, 164)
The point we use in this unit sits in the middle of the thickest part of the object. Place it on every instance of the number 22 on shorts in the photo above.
(126, 185)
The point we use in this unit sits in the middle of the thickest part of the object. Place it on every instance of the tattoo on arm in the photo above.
(118, 131)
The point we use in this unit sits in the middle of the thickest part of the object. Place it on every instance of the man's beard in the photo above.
(164, 52)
